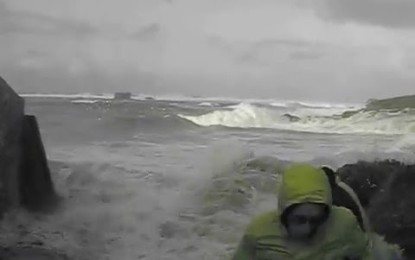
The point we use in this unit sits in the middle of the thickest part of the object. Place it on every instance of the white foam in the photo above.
(406, 143)
(321, 111)
(243, 115)
(206, 104)
(115, 206)
(84, 101)
(280, 104)
(246, 115)
(323, 105)
(107, 214)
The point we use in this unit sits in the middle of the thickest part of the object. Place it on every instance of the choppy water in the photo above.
(135, 174)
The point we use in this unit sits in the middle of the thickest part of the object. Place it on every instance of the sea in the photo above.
(135, 174)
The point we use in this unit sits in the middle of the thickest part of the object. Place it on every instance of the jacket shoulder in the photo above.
(343, 213)
(263, 223)
(344, 217)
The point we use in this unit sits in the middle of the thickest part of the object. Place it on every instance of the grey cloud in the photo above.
(281, 43)
(254, 54)
(147, 32)
(386, 13)
(31, 23)
(57, 79)
(251, 58)
(306, 55)
(297, 49)
(236, 53)
(284, 44)
(225, 48)
(3, 9)
(220, 43)
(264, 44)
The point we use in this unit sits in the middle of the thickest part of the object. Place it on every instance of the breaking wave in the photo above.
(318, 120)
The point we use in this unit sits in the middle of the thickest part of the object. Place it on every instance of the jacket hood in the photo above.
(303, 183)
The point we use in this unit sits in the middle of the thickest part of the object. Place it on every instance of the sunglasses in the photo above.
(301, 220)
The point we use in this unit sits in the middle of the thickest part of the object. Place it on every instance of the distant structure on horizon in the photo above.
(122, 96)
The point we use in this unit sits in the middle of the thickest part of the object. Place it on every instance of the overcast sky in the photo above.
(341, 50)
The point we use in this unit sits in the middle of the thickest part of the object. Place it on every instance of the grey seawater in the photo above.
(134, 177)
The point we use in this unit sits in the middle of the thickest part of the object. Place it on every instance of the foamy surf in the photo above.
(84, 101)
(243, 115)
(316, 120)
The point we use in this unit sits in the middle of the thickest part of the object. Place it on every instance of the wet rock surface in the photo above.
(29, 253)
(387, 191)
(11, 117)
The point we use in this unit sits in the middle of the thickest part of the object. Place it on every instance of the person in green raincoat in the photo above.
(306, 225)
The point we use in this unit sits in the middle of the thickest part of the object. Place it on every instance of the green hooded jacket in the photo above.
(339, 238)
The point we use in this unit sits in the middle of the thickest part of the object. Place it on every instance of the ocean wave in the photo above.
(406, 143)
(100, 219)
(203, 101)
(243, 115)
(247, 115)
(322, 105)
(207, 104)
(84, 101)
(70, 96)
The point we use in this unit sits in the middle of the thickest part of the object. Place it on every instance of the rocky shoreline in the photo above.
(384, 187)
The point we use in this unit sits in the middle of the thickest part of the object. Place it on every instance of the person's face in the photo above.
(303, 220)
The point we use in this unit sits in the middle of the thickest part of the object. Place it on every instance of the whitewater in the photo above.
(314, 119)
(156, 178)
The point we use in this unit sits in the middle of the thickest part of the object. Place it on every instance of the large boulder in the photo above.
(24, 173)
(11, 118)
(369, 178)
(386, 189)
(36, 189)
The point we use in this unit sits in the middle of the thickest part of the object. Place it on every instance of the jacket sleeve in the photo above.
(245, 249)
(357, 244)
(347, 240)
(353, 243)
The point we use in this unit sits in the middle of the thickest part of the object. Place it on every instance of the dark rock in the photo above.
(24, 174)
(395, 103)
(291, 118)
(386, 190)
(392, 212)
(35, 184)
(29, 253)
(11, 116)
(349, 113)
(122, 96)
(369, 178)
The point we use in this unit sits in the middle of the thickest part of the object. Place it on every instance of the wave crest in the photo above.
(322, 120)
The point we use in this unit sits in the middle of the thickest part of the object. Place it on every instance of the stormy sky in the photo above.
(339, 50)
